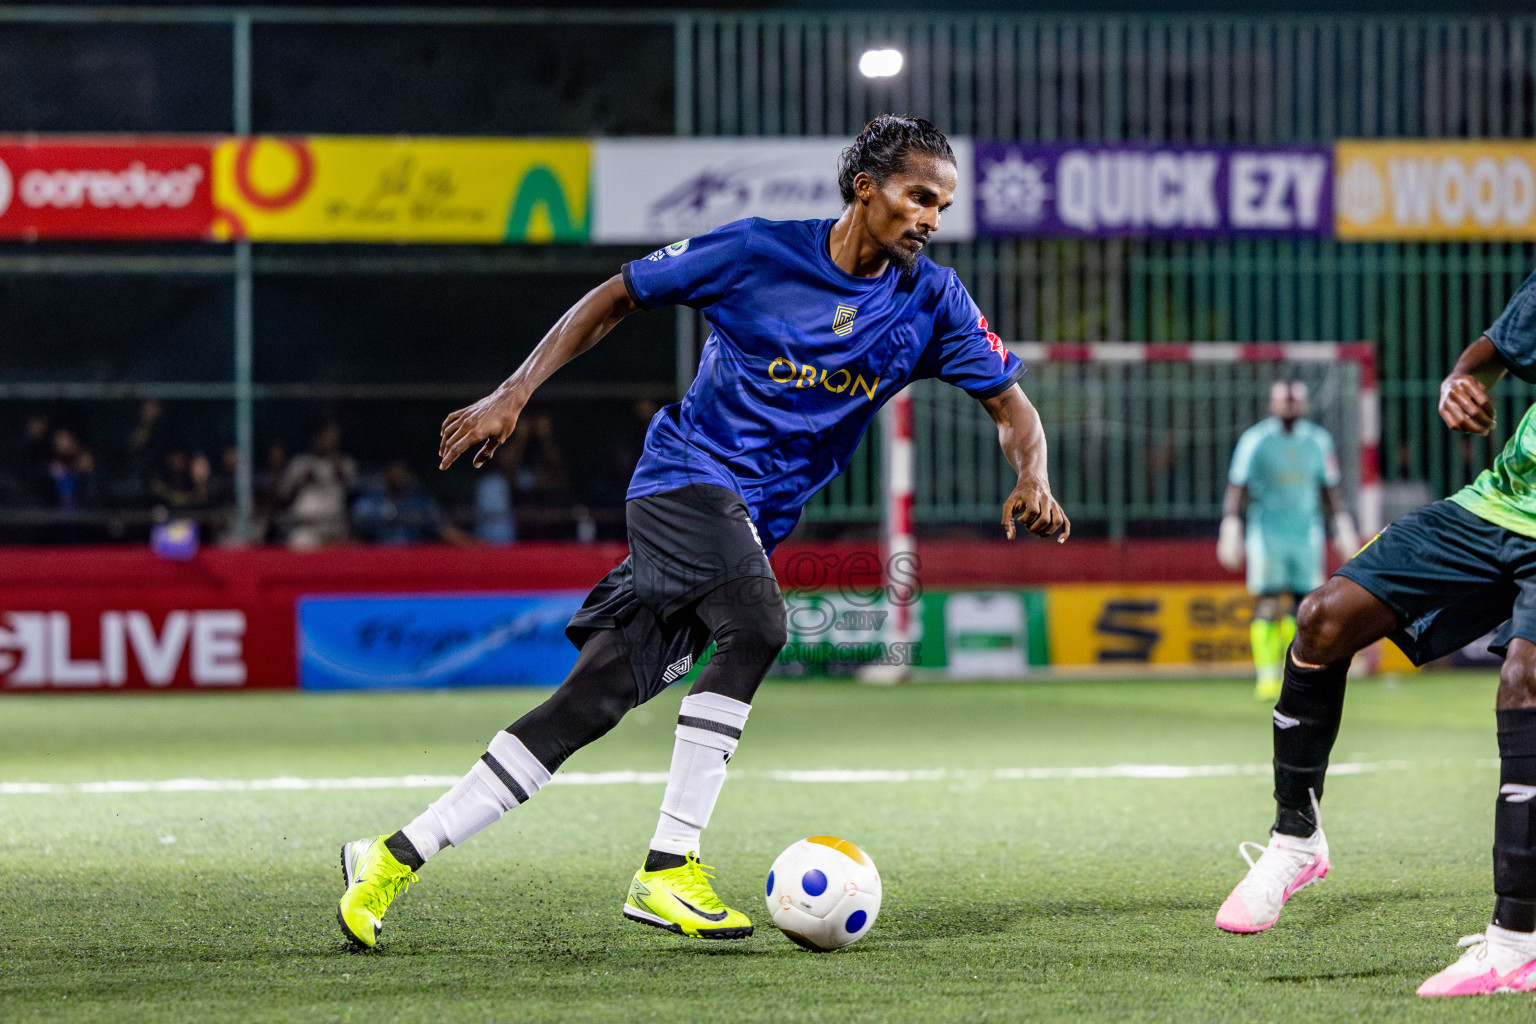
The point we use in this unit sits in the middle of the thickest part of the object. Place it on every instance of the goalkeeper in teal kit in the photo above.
(1285, 476)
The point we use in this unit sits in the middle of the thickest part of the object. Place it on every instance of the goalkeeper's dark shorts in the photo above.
(683, 544)
(1451, 577)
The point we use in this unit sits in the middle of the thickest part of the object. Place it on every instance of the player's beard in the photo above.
(904, 257)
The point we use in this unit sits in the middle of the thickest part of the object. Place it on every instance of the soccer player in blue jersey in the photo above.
(816, 324)
(1283, 485)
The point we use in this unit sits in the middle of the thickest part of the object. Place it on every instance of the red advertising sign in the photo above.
(105, 188)
(150, 645)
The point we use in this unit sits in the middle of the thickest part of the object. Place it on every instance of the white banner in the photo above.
(659, 190)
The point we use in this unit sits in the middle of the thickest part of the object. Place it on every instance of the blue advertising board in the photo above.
(394, 642)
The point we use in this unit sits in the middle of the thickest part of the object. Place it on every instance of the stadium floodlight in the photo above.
(881, 63)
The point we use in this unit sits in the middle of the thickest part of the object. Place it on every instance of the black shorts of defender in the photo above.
(1451, 577)
(683, 544)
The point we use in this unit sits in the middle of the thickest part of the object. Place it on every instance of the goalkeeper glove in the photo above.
(1229, 547)
(1346, 541)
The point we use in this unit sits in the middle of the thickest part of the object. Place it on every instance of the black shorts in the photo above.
(1451, 577)
(683, 544)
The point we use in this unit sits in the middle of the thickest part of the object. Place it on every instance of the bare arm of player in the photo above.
(1464, 401)
(1022, 438)
(492, 419)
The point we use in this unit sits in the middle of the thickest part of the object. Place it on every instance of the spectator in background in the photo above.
(143, 451)
(33, 472)
(495, 514)
(314, 490)
(181, 484)
(73, 471)
(396, 509)
(266, 519)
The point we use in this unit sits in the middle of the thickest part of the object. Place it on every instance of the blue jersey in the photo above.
(801, 356)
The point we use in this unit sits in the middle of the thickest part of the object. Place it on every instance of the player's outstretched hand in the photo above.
(1465, 404)
(490, 420)
(1032, 504)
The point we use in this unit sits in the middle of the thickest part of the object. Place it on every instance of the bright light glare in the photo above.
(880, 63)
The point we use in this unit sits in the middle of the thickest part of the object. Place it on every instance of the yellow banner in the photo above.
(1162, 624)
(1395, 189)
(357, 189)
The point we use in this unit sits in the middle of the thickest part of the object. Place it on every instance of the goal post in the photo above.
(1138, 432)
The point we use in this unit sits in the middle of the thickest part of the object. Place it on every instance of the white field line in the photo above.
(836, 776)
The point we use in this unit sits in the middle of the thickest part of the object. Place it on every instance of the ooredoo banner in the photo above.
(105, 188)
(658, 190)
(360, 189)
(1120, 189)
(1405, 189)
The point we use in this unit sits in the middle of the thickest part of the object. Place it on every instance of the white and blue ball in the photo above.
(824, 893)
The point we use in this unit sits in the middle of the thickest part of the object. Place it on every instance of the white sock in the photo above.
(708, 728)
(1522, 940)
(505, 776)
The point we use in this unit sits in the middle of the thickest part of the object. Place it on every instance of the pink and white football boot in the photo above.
(1497, 961)
(1287, 865)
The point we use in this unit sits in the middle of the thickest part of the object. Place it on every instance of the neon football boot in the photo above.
(374, 878)
(681, 900)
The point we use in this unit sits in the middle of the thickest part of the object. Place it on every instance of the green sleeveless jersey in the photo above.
(1505, 494)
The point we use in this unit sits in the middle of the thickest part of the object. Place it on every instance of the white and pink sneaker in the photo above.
(1496, 961)
(1286, 865)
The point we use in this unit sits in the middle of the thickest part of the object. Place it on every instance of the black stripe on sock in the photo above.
(709, 726)
(518, 793)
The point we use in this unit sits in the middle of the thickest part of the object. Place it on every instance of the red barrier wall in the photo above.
(113, 617)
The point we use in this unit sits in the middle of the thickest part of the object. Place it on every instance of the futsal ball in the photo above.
(824, 893)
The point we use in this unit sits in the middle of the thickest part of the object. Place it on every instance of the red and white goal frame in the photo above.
(898, 537)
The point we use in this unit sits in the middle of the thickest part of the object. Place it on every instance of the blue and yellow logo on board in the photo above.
(842, 320)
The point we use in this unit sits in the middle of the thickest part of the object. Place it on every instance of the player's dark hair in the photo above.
(882, 147)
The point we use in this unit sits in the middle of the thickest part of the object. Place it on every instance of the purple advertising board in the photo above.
(1109, 190)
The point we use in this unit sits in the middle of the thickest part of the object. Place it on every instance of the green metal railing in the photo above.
(1223, 78)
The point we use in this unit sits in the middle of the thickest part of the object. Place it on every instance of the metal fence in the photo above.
(1267, 79)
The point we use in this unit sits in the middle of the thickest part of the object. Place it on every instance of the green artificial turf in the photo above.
(1005, 899)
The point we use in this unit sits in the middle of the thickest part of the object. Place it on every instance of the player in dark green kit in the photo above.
(1433, 581)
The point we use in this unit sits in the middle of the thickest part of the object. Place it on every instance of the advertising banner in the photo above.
(970, 634)
(1125, 189)
(159, 644)
(1405, 189)
(391, 642)
(1168, 624)
(105, 188)
(658, 190)
(361, 189)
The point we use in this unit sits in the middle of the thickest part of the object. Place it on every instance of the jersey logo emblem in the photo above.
(994, 343)
(675, 249)
(842, 320)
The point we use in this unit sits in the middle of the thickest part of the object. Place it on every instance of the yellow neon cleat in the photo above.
(681, 900)
(1267, 690)
(374, 878)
